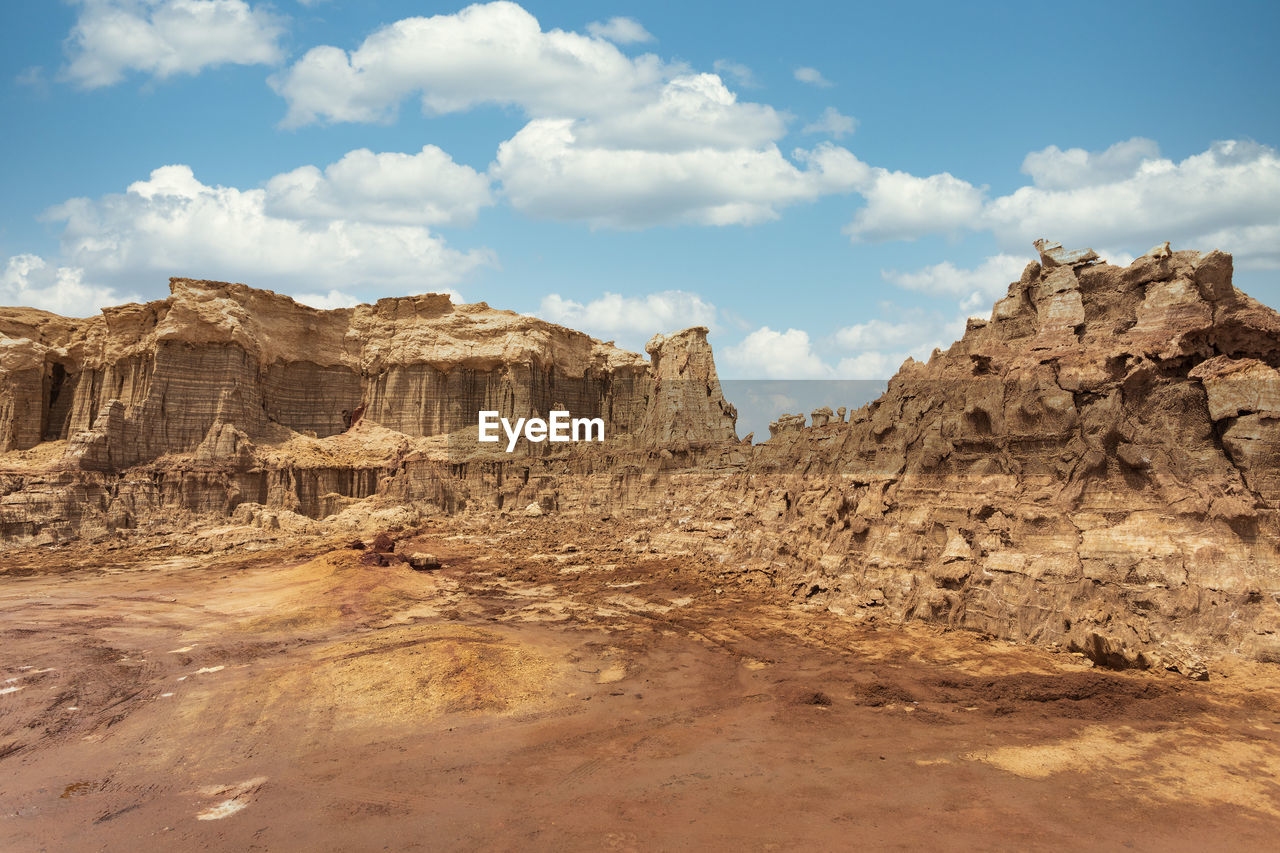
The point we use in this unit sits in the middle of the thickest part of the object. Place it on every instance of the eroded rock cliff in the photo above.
(1094, 467)
(140, 381)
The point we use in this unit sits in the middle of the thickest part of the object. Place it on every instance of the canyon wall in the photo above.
(1096, 466)
(141, 381)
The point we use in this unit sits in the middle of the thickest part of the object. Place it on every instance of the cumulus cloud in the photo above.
(875, 334)
(620, 31)
(812, 76)
(493, 53)
(694, 155)
(172, 224)
(1226, 197)
(770, 354)
(427, 188)
(873, 349)
(546, 173)
(878, 364)
(1054, 169)
(611, 141)
(327, 301)
(902, 206)
(29, 280)
(832, 122)
(976, 288)
(690, 112)
(167, 37)
(881, 346)
(631, 319)
(736, 71)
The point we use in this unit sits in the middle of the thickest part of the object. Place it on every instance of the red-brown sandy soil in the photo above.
(547, 689)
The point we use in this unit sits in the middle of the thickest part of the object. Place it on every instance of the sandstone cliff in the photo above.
(1094, 467)
(140, 381)
(223, 395)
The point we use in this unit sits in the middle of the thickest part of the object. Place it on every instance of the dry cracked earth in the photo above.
(548, 688)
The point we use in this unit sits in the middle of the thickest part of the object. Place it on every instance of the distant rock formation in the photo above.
(223, 395)
(687, 407)
(141, 381)
(1096, 466)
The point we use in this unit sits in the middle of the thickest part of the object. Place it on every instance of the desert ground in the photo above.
(547, 688)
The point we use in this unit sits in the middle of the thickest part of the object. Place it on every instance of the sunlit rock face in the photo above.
(1094, 466)
(140, 381)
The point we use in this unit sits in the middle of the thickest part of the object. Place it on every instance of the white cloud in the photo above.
(881, 346)
(545, 172)
(834, 123)
(741, 74)
(327, 301)
(630, 319)
(172, 224)
(769, 354)
(620, 31)
(877, 364)
(976, 288)
(493, 53)
(1054, 169)
(812, 76)
(167, 37)
(690, 112)
(901, 206)
(338, 299)
(612, 141)
(427, 188)
(873, 349)
(875, 334)
(1226, 197)
(29, 280)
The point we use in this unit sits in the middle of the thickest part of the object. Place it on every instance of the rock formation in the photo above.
(688, 408)
(140, 381)
(1095, 466)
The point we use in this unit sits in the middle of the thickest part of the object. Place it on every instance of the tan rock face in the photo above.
(687, 409)
(1096, 466)
(226, 353)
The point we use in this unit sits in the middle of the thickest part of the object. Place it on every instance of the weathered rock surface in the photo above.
(1097, 466)
(687, 409)
(140, 381)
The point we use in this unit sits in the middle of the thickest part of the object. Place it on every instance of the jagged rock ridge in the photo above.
(1095, 466)
(140, 381)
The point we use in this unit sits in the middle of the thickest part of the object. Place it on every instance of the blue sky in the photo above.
(830, 187)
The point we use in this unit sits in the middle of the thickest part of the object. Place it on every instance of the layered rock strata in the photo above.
(140, 381)
(1095, 466)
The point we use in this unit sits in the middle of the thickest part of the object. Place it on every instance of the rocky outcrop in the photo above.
(223, 395)
(687, 409)
(1094, 466)
(141, 381)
